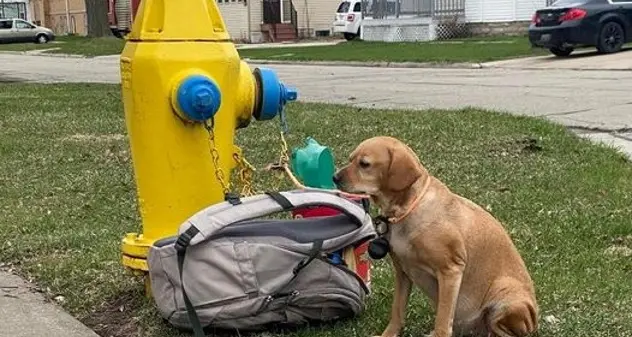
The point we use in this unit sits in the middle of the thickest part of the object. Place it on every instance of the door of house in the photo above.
(272, 12)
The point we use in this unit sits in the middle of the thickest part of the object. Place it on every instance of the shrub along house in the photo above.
(277, 20)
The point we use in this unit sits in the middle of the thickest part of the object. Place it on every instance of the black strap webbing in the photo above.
(366, 204)
(181, 247)
(232, 198)
(313, 253)
(198, 331)
(185, 238)
(281, 200)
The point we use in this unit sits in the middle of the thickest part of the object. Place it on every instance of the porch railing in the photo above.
(383, 9)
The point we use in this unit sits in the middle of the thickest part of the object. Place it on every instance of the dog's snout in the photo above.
(336, 179)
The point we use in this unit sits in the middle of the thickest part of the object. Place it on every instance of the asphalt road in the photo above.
(594, 102)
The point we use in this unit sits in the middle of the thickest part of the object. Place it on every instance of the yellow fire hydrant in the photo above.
(185, 92)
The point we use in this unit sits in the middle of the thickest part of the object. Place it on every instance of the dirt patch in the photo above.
(94, 138)
(620, 247)
(517, 147)
(115, 318)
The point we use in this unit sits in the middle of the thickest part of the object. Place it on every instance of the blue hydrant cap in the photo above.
(274, 94)
(199, 98)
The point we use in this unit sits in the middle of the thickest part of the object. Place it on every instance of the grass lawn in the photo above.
(452, 51)
(76, 45)
(67, 196)
(468, 50)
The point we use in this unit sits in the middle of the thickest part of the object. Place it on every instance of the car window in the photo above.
(6, 24)
(22, 25)
(563, 3)
(344, 7)
(357, 7)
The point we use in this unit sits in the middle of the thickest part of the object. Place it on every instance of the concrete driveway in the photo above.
(580, 60)
(596, 103)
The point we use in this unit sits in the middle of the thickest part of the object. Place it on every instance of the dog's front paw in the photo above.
(431, 334)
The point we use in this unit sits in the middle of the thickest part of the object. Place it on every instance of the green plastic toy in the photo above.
(313, 164)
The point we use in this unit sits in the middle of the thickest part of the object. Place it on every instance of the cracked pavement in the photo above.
(594, 103)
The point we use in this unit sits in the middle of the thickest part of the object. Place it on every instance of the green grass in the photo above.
(67, 196)
(76, 45)
(452, 51)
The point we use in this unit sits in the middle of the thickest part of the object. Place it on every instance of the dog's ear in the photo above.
(403, 170)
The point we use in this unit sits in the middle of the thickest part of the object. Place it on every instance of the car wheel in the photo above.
(349, 36)
(611, 38)
(41, 38)
(561, 51)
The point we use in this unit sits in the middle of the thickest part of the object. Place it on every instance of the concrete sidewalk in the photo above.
(26, 313)
(288, 44)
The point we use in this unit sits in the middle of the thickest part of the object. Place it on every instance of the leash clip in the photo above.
(381, 225)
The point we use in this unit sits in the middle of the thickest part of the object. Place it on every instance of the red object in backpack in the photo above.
(359, 261)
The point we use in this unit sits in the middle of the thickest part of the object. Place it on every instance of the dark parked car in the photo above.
(570, 24)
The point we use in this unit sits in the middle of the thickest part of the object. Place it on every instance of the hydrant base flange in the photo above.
(135, 249)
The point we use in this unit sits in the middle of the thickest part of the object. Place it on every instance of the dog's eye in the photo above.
(364, 164)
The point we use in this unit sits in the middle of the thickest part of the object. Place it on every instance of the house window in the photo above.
(13, 10)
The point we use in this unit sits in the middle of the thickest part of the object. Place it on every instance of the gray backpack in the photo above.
(229, 269)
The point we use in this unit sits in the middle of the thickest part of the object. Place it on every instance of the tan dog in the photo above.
(451, 248)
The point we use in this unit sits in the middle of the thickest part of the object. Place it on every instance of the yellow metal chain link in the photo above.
(245, 173)
(284, 157)
(219, 173)
(246, 170)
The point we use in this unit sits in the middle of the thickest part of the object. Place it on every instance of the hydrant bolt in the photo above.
(198, 98)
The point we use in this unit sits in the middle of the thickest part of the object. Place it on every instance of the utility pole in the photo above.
(1, 9)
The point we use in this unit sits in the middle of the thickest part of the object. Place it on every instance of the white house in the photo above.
(501, 10)
(423, 20)
(277, 20)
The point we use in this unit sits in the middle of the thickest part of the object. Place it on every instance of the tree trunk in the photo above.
(97, 14)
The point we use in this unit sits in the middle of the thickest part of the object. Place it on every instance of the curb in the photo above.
(484, 66)
(370, 64)
(31, 53)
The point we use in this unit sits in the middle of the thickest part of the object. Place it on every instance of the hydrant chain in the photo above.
(219, 173)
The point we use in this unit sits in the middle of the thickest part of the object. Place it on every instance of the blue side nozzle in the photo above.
(198, 97)
(273, 94)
